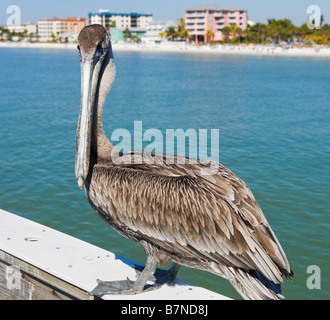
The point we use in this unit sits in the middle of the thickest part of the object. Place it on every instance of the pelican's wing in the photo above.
(190, 216)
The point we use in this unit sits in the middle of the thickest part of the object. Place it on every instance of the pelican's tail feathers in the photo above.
(253, 285)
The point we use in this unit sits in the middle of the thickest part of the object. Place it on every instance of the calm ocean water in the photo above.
(273, 117)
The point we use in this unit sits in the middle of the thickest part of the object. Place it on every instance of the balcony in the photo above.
(194, 20)
(199, 32)
(190, 20)
(218, 14)
(190, 27)
(197, 14)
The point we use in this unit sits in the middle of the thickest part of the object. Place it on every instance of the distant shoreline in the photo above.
(255, 50)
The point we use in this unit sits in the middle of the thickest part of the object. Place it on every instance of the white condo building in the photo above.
(28, 27)
(122, 20)
(154, 28)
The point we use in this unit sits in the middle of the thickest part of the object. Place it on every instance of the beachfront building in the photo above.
(28, 28)
(205, 22)
(20, 32)
(120, 20)
(67, 37)
(154, 31)
(123, 35)
(50, 29)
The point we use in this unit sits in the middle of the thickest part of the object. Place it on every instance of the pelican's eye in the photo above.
(99, 51)
(99, 46)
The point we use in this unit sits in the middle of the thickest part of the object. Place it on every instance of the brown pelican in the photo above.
(181, 212)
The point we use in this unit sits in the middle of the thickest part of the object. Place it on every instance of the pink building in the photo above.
(214, 17)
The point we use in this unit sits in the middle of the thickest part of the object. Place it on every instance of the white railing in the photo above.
(64, 266)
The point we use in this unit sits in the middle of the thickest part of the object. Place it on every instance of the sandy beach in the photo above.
(257, 50)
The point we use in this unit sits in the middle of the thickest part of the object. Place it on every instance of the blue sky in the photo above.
(258, 10)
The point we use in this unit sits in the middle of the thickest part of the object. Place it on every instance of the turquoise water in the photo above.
(273, 117)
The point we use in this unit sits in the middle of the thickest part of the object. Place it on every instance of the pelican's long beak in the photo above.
(89, 80)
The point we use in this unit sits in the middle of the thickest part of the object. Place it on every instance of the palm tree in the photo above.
(226, 31)
(235, 31)
(162, 34)
(30, 36)
(127, 34)
(306, 32)
(209, 34)
(326, 32)
(2, 33)
(112, 25)
(322, 20)
(280, 29)
(135, 38)
(171, 33)
(53, 36)
(239, 32)
(182, 32)
(262, 31)
(295, 34)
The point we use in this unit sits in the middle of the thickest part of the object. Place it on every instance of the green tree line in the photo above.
(275, 31)
(6, 35)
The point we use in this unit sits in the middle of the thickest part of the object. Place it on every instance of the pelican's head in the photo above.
(95, 53)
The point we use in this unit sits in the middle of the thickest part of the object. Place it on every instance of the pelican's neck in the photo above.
(101, 146)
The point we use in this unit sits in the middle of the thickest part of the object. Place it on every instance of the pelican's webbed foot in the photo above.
(128, 287)
(122, 287)
(161, 276)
